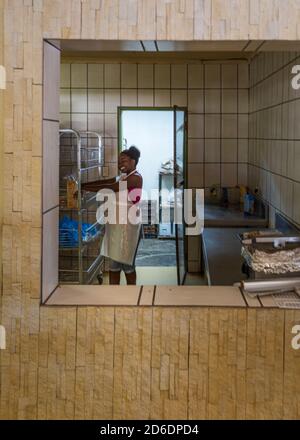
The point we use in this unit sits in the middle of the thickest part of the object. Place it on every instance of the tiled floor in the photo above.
(156, 252)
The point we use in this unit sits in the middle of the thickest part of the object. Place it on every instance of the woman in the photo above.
(120, 241)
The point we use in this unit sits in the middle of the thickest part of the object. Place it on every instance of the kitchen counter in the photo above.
(165, 296)
(222, 255)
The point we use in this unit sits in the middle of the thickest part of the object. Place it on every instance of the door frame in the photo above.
(171, 109)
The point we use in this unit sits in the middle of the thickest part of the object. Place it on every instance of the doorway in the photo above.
(160, 135)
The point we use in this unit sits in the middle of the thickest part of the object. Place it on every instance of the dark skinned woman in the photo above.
(121, 240)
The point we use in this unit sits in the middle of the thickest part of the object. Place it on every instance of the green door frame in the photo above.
(171, 109)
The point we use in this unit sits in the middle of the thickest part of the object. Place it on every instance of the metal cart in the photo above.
(80, 235)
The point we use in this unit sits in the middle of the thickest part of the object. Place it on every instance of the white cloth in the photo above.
(121, 239)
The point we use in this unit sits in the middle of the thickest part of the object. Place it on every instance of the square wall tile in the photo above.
(286, 197)
(243, 126)
(145, 76)
(195, 175)
(195, 150)
(162, 75)
(179, 97)
(212, 76)
(195, 76)
(129, 97)
(242, 174)
(65, 101)
(78, 75)
(195, 101)
(145, 98)
(212, 173)
(212, 101)
(112, 98)
(228, 174)
(178, 76)
(79, 121)
(243, 75)
(229, 126)
(112, 76)
(128, 76)
(229, 150)
(296, 174)
(96, 122)
(95, 101)
(212, 126)
(194, 248)
(195, 126)
(111, 125)
(212, 150)
(229, 101)
(243, 150)
(243, 104)
(95, 75)
(65, 120)
(296, 204)
(79, 100)
(229, 75)
(65, 75)
(162, 98)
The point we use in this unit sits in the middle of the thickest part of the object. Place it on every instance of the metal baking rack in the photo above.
(82, 157)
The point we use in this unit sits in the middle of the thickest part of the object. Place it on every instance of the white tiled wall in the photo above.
(215, 94)
(274, 134)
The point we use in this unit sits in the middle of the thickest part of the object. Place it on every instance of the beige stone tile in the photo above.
(147, 295)
(199, 296)
(95, 295)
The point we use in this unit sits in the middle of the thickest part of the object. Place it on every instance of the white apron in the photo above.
(120, 241)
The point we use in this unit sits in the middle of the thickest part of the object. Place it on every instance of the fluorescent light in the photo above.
(2, 77)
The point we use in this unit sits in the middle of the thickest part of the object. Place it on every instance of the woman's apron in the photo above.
(120, 240)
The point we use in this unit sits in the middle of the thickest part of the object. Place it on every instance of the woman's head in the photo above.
(128, 159)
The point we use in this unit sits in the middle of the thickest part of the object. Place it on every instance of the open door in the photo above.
(179, 185)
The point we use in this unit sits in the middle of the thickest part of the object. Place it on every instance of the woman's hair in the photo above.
(132, 152)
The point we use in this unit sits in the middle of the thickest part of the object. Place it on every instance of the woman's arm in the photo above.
(95, 185)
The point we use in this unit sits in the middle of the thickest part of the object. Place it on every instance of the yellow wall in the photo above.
(58, 361)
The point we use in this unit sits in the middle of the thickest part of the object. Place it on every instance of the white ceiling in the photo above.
(244, 47)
